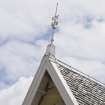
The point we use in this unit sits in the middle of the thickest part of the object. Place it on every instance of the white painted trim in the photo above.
(35, 83)
(63, 88)
(61, 84)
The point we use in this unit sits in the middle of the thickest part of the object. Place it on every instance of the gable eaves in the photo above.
(63, 88)
(61, 84)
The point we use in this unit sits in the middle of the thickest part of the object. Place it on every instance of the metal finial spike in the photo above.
(56, 9)
(54, 23)
(50, 51)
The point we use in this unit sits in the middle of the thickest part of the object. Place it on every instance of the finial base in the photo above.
(50, 51)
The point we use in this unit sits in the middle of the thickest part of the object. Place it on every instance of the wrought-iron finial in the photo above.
(54, 22)
(50, 51)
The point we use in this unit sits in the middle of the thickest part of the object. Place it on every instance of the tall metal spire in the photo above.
(50, 51)
(54, 22)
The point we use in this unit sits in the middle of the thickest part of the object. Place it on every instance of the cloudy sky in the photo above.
(25, 31)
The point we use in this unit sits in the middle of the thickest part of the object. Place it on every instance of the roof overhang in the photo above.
(64, 90)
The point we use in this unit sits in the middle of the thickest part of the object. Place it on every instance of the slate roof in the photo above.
(86, 90)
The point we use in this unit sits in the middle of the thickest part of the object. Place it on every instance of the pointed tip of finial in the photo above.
(54, 23)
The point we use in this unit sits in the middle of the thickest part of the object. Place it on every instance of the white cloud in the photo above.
(26, 20)
(15, 94)
(83, 44)
(20, 59)
(23, 27)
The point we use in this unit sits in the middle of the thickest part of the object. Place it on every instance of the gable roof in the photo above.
(85, 89)
(74, 87)
(47, 65)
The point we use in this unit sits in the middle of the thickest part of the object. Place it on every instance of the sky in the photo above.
(25, 32)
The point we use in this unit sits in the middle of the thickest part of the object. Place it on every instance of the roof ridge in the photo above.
(80, 72)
